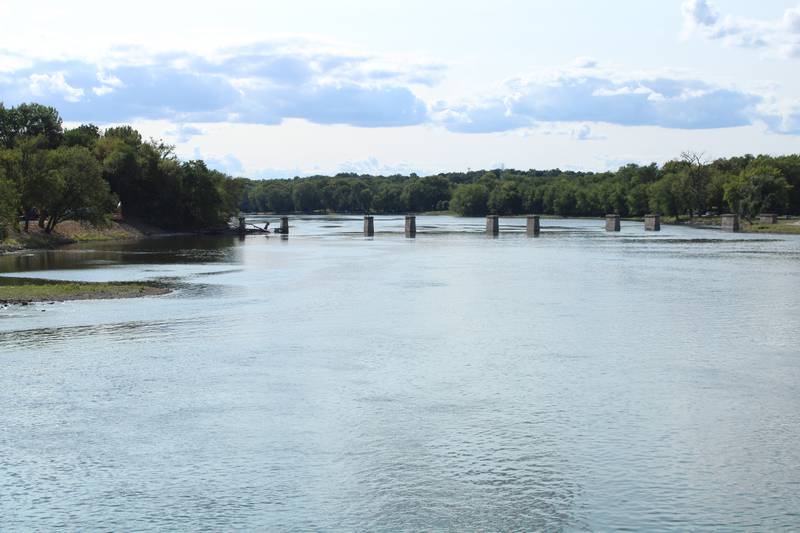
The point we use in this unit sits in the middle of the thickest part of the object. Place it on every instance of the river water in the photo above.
(581, 380)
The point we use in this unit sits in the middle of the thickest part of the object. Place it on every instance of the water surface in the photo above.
(579, 380)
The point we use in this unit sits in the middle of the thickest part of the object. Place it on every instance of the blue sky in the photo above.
(275, 89)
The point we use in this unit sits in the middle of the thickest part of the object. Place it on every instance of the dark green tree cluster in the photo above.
(685, 187)
(348, 193)
(49, 174)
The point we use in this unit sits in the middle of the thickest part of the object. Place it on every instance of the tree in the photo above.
(759, 189)
(388, 199)
(470, 200)
(9, 204)
(85, 135)
(305, 196)
(666, 196)
(504, 199)
(278, 198)
(30, 120)
(76, 187)
(696, 177)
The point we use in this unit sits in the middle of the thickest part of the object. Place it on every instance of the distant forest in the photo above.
(685, 187)
(49, 174)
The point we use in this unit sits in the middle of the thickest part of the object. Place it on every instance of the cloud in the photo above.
(783, 117)
(268, 82)
(53, 85)
(574, 95)
(229, 163)
(372, 166)
(584, 133)
(262, 83)
(183, 133)
(780, 36)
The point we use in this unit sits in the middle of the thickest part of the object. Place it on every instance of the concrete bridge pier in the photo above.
(730, 222)
(492, 225)
(767, 218)
(652, 222)
(411, 226)
(532, 226)
(612, 222)
(369, 226)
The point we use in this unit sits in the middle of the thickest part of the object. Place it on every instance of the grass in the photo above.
(772, 228)
(28, 290)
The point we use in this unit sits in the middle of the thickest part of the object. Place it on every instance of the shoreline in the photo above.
(70, 232)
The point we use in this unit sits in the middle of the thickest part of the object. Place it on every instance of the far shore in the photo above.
(70, 232)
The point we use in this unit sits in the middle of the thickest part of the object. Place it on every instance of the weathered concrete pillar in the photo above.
(612, 222)
(369, 225)
(492, 224)
(411, 226)
(532, 226)
(284, 226)
(768, 218)
(730, 222)
(242, 229)
(652, 222)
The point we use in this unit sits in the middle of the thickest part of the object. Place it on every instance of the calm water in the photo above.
(577, 381)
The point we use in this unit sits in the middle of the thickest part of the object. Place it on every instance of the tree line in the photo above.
(49, 174)
(685, 187)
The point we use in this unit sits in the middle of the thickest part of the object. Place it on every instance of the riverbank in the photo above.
(71, 232)
(783, 227)
(31, 290)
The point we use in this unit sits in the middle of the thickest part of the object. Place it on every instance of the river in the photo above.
(581, 380)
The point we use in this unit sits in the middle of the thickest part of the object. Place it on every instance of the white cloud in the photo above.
(779, 36)
(657, 98)
(184, 132)
(584, 62)
(263, 83)
(584, 133)
(371, 165)
(44, 85)
(270, 82)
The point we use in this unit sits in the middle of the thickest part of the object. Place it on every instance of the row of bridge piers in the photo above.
(532, 226)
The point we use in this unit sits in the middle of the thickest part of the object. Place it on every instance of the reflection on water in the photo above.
(579, 380)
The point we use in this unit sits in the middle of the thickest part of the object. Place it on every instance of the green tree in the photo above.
(759, 189)
(9, 204)
(30, 120)
(76, 188)
(85, 135)
(504, 199)
(470, 200)
(305, 196)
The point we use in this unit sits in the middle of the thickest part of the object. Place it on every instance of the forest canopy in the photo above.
(685, 187)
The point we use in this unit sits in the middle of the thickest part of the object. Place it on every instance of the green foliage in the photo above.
(85, 135)
(74, 188)
(30, 120)
(687, 186)
(470, 199)
(58, 175)
(9, 200)
(758, 189)
(306, 196)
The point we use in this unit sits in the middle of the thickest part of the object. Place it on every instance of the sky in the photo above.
(274, 89)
